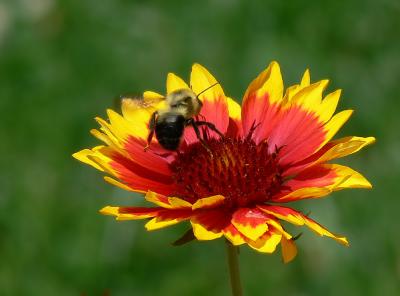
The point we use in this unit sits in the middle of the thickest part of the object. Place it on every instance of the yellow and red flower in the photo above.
(275, 150)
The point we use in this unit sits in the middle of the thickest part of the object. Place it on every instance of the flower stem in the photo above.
(233, 262)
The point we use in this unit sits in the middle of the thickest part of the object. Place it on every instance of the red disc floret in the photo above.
(244, 172)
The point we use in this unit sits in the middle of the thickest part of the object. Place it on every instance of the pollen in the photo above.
(244, 172)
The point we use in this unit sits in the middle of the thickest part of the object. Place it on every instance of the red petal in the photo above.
(317, 176)
(167, 202)
(250, 222)
(216, 112)
(332, 150)
(314, 178)
(141, 178)
(299, 219)
(138, 211)
(189, 137)
(262, 101)
(299, 133)
(209, 224)
(135, 148)
(167, 218)
(234, 128)
(233, 235)
(130, 213)
(260, 113)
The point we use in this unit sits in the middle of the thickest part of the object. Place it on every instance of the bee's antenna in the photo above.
(207, 89)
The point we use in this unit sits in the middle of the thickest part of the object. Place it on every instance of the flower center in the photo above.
(240, 170)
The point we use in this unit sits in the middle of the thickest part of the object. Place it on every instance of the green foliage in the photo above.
(63, 62)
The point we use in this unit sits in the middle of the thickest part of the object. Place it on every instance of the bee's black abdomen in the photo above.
(169, 130)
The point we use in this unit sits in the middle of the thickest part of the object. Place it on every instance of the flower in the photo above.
(275, 150)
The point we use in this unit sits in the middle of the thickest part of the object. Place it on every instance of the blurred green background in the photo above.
(63, 62)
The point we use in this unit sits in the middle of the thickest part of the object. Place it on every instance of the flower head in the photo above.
(275, 150)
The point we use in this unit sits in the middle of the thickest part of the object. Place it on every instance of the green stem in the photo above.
(233, 262)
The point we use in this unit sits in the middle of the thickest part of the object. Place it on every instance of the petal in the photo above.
(235, 123)
(262, 102)
(234, 129)
(98, 157)
(233, 235)
(320, 180)
(336, 122)
(130, 213)
(328, 105)
(289, 250)
(105, 159)
(215, 105)
(208, 202)
(332, 150)
(129, 153)
(178, 203)
(301, 95)
(106, 134)
(319, 229)
(310, 97)
(294, 89)
(114, 144)
(250, 222)
(141, 178)
(306, 79)
(123, 141)
(174, 83)
(266, 243)
(117, 183)
(167, 218)
(122, 128)
(269, 81)
(135, 148)
(83, 157)
(208, 224)
(167, 202)
(106, 139)
(138, 118)
(299, 219)
(189, 137)
(298, 133)
(151, 95)
(235, 111)
(275, 225)
(305, 124)
(158, 199)
(302, 193)
(283, 213)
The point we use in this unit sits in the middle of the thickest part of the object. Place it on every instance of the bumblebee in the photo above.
(178, 111)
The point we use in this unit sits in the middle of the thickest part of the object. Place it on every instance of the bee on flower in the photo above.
(230, 175)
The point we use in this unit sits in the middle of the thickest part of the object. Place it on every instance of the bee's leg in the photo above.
(211, 126)
(197, 131)
(152, 125)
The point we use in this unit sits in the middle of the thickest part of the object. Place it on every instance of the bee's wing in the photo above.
(141, 102)
(146, 105)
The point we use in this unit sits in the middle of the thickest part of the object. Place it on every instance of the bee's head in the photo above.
(184, 100)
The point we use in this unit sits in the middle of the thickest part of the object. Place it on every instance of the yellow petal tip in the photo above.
(371, 140)
(77, 155)
(274, 63)
(109, 210)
